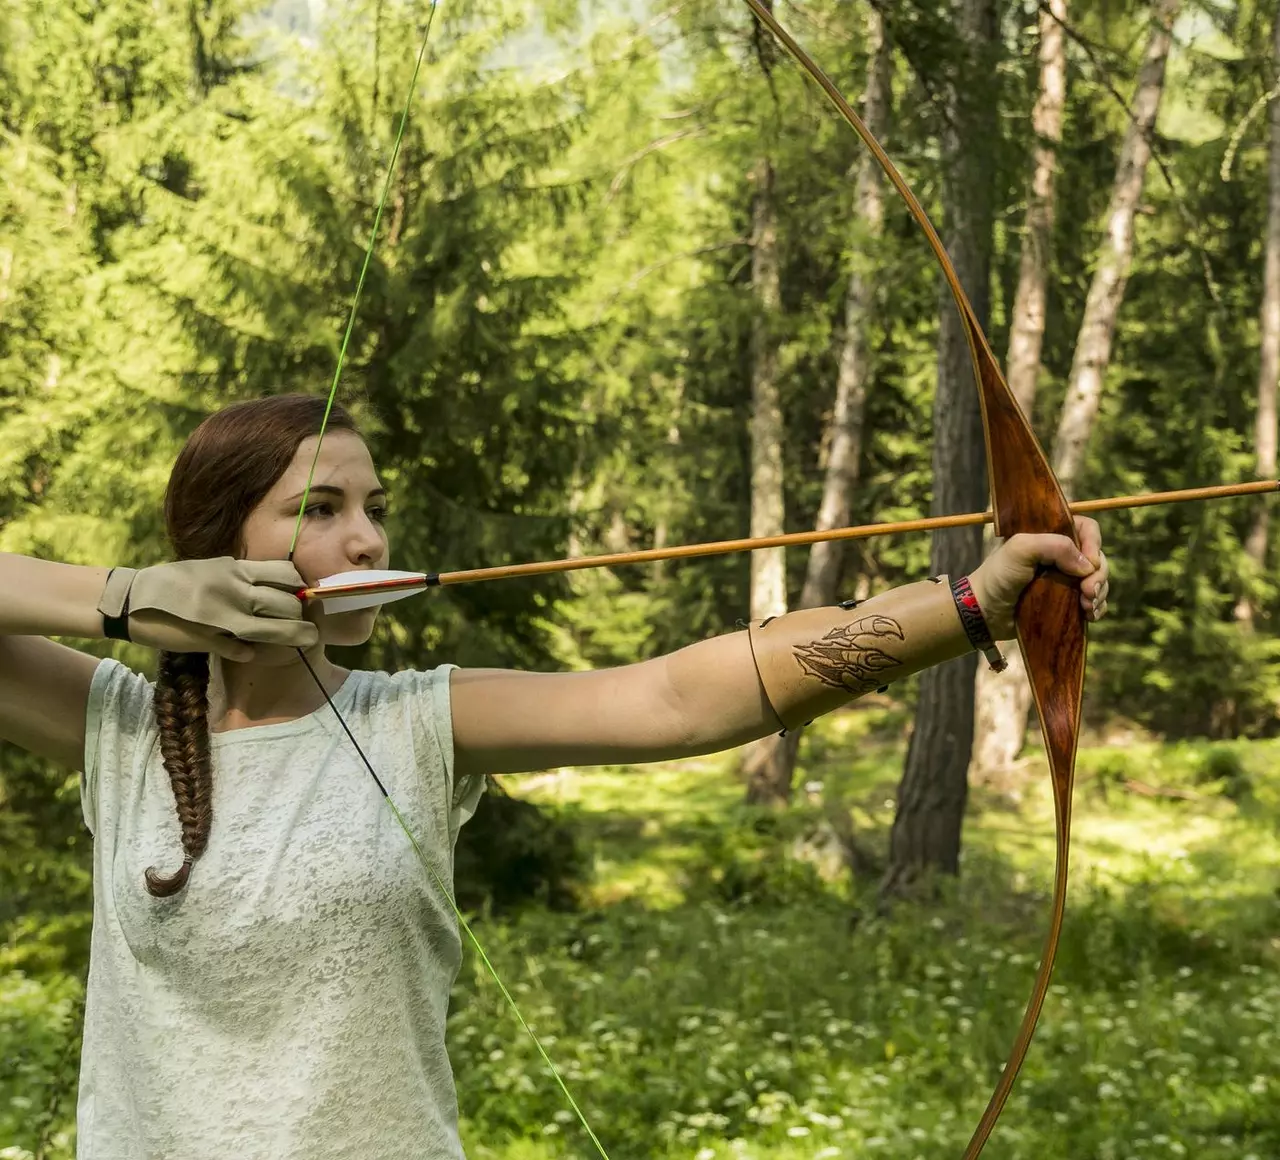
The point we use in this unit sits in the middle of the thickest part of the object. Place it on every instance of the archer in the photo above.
(268, 964)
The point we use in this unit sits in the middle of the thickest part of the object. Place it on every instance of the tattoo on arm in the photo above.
(852, 657)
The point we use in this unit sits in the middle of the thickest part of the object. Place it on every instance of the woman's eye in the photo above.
(377, 514)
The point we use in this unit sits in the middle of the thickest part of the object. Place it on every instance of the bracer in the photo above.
(815, 660)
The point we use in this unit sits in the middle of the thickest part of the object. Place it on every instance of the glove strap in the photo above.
(114, 604)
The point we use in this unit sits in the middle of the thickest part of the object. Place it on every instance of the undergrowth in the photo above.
(726, 990)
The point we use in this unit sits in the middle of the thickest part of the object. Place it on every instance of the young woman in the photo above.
(270, 966)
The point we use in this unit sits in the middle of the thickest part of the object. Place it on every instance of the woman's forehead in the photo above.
(344, 462)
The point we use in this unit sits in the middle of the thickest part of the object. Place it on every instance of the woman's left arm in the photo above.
(731, 689)
(516, 722)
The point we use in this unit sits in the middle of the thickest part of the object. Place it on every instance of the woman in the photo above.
(270, 967)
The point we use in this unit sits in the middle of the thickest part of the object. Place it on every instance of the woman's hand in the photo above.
(1000, 580)
(221, 606)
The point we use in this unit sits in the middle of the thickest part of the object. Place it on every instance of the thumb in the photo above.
(1058, 552)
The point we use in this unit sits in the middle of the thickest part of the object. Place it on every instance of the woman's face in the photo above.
(342, 528)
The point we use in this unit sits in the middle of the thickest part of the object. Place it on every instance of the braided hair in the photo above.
(227, 467)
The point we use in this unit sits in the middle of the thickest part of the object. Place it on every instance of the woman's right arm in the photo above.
(44, 686)
(218, 606)
(45, 598)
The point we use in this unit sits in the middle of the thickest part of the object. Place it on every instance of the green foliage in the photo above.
(781, 1031)
(511, 853)
(551, 358)
(1223, 770)
(45, 917)
(747, 863)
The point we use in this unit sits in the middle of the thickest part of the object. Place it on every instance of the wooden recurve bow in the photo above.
(1025, 497)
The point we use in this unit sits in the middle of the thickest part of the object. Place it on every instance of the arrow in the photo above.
(348, 591)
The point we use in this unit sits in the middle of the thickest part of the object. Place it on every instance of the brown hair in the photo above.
(222, 473)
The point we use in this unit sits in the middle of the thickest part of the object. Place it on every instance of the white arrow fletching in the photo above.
(383, 588)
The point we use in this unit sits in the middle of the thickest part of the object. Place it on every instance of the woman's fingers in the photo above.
(290, 633)
(1090, 536)
(1094, 587)
(1094, 591)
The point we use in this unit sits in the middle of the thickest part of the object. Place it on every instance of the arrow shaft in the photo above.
(862, 532)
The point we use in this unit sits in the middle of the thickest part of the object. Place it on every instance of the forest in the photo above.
(637, 285)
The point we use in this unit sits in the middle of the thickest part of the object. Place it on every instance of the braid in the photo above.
(182, 707)
(225, 471)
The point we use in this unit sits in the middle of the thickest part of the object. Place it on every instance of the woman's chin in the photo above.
(349, 629)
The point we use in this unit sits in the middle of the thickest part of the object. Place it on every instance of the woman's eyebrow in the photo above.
(329, 489)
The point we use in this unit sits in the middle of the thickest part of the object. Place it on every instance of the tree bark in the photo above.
(772, 761)
(1026, 333)
(1004, 699)
(1269, 354)
(1106, 291)
(934, 787)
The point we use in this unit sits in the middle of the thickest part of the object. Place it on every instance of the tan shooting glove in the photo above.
(211, 606)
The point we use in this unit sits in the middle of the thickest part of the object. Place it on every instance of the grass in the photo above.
(712, 998)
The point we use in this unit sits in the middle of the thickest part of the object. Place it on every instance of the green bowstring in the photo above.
(364, 273)
(475, 942)
(297, 530)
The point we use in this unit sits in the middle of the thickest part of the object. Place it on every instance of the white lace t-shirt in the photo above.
(291, 1001)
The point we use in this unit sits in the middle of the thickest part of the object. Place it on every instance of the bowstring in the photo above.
(364, 273)
(297, 530)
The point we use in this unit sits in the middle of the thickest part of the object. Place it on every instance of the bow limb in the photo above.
(1026, 497)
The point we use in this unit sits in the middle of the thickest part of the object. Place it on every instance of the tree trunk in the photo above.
(934, 787)
(1004, 699)
(845, 430)
(1269, 355)
(772, 761)
(764, 761)
(1026, 332)
(1106, 291)
(769, 566)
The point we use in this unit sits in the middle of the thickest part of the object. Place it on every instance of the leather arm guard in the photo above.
(815, 660)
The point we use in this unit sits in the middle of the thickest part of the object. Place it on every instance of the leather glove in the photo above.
(211, 606)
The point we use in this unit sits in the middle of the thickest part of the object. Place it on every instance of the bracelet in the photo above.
(975, 624)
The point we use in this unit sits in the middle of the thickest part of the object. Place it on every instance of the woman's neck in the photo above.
(242, 696)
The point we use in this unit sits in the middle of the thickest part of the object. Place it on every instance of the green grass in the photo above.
(712, 999)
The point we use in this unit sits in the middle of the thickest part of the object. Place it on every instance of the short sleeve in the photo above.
(435, 713)
(117, 719)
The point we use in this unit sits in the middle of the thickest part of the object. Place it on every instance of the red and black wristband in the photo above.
(975, 624)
